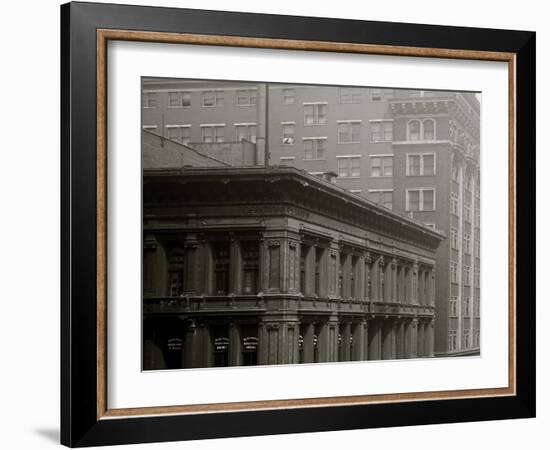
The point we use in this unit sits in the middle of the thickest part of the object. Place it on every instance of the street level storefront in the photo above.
(257, 265)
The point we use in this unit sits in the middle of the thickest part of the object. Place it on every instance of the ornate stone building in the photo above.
(271, 265)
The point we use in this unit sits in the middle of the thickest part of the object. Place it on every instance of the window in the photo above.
(245, 132)
(378, 95)
(179, 133)
(246, 97)
(413, 130)
(467, 276)
(289, 96)
(150, 100)
(179, 99)
(467, 244)
(314, 148)
(454, 240)
(454, 204)
(467, 212)
(381, 131)
(477, 219)
(476, 248)
(476, 278)
(453, 272)
(430, 225)
(476, 308)
(349, 132)
(421, 199)
(381, 166)
(349, 166)
(452, 340)
(476, 338)
(453, 311)
(382, 197)
(456, 173)
(465, 338)
(418, 130)
(213, 133)
(429, 129)
(466, 307)
(350, 95)
(289, 130)
(212, 98)
(315, 114)
(421, 164)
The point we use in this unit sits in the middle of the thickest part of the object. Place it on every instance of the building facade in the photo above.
(412, 151)
(271, 265)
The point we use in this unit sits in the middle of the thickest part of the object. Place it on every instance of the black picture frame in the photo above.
(80, 424)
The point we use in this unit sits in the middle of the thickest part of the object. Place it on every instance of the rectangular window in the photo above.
(454, 204)
(467, 244)
(289, 96)
(381, 166)
(476, 248)
(453, 311)
(179, 99)
(245, 132)
(467, 276)
(476, 278)
(349, 167)
(212, 98)
(381, 131)
(289, 130)
(150, 100)
(350, 95)
(454, 240)
(476, 307)
(465, 338)
(453, 270)
(452, 340)
(382, 197)
(421, 164)
(349, 132)
(467, 212)
(179, 133)
(246, 97)
(466, 307)
(213, 133)
(314, 148)
(315, 114)
(379, 95)
(420, 199)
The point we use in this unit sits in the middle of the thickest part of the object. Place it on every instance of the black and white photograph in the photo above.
(302, 223)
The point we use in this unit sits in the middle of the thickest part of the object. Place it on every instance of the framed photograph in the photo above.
(279, 224)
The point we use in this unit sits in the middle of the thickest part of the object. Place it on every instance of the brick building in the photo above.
(415, 152)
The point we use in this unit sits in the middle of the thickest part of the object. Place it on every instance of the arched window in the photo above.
(414, 130)
(429, 130)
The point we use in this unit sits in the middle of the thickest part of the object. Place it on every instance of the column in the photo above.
(191, 266)
(375, 279)
(333, 271)
(367, 277)
(413, 339)
(360, 282)
(381, 282)
(393, 280)
(420, 341)
(420, 298)
(206, 268)
(388, 339)
(309, 331)
(345, 331)
(235, 265)
(235, 352)
(432, 286)
(430, 339)
(360, 341)
(374, 340)
(400, 337)
(414, 283)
